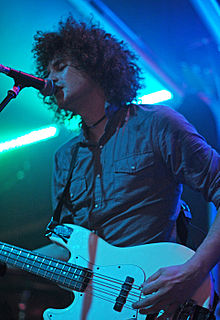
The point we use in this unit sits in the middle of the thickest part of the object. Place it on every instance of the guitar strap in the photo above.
(57, 212)
(188, 234)
(182, 222)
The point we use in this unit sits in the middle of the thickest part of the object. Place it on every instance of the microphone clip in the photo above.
(12, 94)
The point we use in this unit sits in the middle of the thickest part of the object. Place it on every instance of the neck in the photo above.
(95, 132)
(97, 122)
(92, 110)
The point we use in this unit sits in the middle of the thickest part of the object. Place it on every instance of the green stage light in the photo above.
(29, 138)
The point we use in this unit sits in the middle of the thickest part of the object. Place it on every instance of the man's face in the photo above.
(72, 85)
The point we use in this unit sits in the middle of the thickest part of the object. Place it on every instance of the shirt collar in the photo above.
(116, 117)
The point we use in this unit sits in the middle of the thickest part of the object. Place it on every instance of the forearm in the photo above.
(54, 251)
(208, 253)
(174, 285)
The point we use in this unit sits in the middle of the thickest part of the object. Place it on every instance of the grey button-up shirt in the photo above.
(127, 187)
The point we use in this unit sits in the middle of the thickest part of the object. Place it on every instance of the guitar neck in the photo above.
(63, 273)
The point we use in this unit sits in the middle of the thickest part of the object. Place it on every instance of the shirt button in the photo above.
(71, 195)
(96, 205)
(133, 167)
(98, 175)
(100, 146)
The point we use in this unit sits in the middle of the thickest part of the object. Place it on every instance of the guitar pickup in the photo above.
(125, 289)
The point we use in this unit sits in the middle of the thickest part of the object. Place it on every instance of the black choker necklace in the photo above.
(96, 123)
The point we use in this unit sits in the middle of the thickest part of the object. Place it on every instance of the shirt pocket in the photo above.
(77, 190)
(134, 163)
(133, 175)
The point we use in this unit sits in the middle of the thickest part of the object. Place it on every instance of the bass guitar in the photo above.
(105, 279)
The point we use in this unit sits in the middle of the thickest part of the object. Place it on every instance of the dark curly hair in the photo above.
(105, 59)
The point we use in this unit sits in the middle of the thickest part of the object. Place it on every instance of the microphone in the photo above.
(46, 87)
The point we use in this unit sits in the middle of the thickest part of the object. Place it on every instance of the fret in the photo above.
(62, 276)
(62, 273)
(65, 272)
(59, 273)
(25, 265)
(54, 270)
(50, 270)
(20, 259)
(30, 259)
(69, 278)
(4, 254)
(75, 276)
(40, 267)
(37, 263)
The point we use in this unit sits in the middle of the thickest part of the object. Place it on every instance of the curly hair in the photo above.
(100, 55)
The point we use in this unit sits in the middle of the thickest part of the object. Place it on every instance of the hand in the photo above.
(168, 288)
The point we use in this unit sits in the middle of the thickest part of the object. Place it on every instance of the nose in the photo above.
(53, 76)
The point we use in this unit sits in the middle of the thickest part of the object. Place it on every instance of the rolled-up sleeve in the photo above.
(186, 154)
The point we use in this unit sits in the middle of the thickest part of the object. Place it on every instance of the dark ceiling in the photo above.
(178, 38)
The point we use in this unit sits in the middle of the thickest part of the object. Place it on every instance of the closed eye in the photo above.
(59, 65)
(56, 66)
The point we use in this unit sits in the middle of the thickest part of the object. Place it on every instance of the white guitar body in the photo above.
(111, 265)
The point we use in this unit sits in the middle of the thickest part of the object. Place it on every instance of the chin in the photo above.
(67, 108)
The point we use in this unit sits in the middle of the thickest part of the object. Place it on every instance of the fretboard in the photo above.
(65, 274)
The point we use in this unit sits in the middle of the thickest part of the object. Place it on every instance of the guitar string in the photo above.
(79, 268)
(69, 285)
(116, 288)
(59, 262)
(134, 287)
(90, 292)
(94, 285)
(109, 300)
(98, 283)
(93, 288)
(132, 291)
(63, 282)
(63, 264)
(114, 295)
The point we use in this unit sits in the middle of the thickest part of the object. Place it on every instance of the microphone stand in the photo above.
(12, 94)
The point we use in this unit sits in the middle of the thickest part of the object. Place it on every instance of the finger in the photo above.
(151, 309)
(161, 309)
(148, 301)
(154, 276)
(151, 288)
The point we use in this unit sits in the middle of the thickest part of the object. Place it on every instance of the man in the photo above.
(131, 162)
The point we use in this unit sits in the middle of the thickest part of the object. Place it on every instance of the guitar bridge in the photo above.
(125, 289)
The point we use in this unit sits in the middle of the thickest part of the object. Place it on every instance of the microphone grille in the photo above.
(49, 88)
